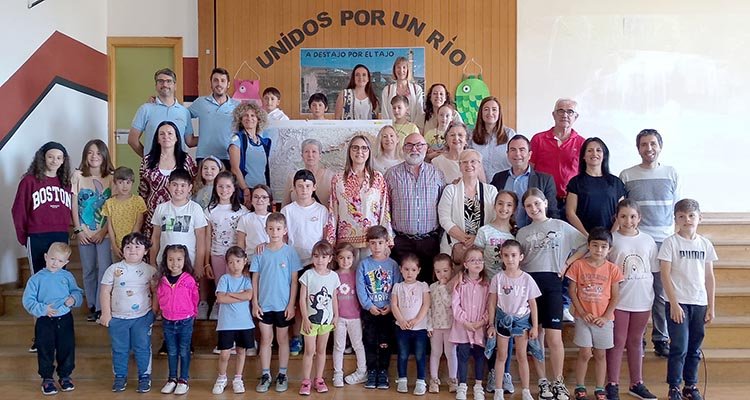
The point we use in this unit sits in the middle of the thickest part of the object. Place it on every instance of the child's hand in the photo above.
(589, 318)
(208, 271)
(599, 321)
(534, 332)
(51, 311)
(83, 236)
(429, 333)
(709, 316)
(385, 310)
(677, 314)
(374, 310)
(403, 324)
(257, 312)
(98, 236)
(289, 312)
(469, 326)
(491, 332)
(117, 252)
(105, 318)
(70, 301)
(335, 321)
(306, 326)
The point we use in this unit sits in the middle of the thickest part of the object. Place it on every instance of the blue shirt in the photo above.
(375, 281)
(275, 268)
(215, 125)
(150, 115)
(47, 287)
(519, 185)
(234, 316)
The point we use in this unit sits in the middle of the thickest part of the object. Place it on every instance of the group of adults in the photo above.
(429, 206)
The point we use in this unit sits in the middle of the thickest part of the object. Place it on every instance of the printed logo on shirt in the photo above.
(50, 194)
(633, 267)
(320, 302)
(540, 240)
(345, 289)
(180, 223)
(380, 283)
(692, 254)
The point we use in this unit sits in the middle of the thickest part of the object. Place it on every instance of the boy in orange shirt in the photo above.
(594, 289)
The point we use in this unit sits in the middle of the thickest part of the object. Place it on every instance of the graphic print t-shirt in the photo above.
(320, 292)
(178, 225)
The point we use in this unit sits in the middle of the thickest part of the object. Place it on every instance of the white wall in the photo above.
(177, 18)
(680, 67)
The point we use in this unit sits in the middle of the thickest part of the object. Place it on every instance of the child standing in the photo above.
(319, 312)
(49, 296)
(400, 108)
(126, 293)
(687, 272)
(546, 244)
(223, 214)
(439, 323)
(275, 279)
(178, 301)
(208, 169)
(410, 303)
(124, 210)
(271, 101)
(349, 321)
(513, 313)
(42, 207)
(634, 252)
(594, 289)
(91, 188)
(251, 228)
(233, 293)
(469, 321)
(376, 276)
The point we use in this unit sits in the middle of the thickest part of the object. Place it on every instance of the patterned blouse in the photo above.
(153, 188)
(472, 214)
(441, 309)
(353, 208)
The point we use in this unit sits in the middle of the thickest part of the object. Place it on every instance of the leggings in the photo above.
(628, 331)
(440, 344)
(464, 351)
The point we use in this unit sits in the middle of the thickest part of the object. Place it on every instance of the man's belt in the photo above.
(419, 236)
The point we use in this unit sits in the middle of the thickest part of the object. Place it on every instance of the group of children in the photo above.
(277, 266)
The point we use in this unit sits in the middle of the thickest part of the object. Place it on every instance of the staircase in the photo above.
(726, 349)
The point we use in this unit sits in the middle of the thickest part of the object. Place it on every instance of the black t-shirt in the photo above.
(172, 279)
(597, 199)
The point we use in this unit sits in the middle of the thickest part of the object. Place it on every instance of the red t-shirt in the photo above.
(558, 160)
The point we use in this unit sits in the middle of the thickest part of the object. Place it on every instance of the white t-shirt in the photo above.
(178, 225)
(546, 245)
(305, 227)
(513, 294)
(410, 297)
(131, 288)
(636, 258)
(688, 258)
(223, 226)
(320, 292)
(254, 228)
(490, 239)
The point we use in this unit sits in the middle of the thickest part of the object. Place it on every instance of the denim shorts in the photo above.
(508, 325)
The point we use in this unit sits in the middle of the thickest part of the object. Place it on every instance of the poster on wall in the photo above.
(327, 71)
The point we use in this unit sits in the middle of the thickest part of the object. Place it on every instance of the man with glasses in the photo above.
(655, 187)
(164, 108)
(415, 187)
(555, 151)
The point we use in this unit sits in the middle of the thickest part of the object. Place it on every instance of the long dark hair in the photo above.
(179, 155)
(481, 134)
(605, 158)
(512, 220)
(187, 267)
(368, 87)
(106, 169)
(39, 164)
(428, 107)
(234, 200)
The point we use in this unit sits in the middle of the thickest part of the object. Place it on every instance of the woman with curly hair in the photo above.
(248, 151)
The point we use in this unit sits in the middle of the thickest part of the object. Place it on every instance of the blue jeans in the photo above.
(178, 335)
(464, 351)
(131, 334)
(411, 341)
(684, 351)
(95, 259)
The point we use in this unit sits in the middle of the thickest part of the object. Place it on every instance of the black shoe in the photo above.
(383, 382)
(163, 349)
(691, 393)
(32, 349)
(613, 391)
(372, 380)
(674, 393)
(661, 348)
(640, 391)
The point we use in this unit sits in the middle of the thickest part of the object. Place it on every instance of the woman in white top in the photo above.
(491, 137)
(465, 206)
(455, 142)
(437, 95)
(405, 86)
(311, 152)
(358, 100)
(388, 152)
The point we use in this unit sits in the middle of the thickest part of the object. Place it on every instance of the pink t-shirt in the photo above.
(410, 296)
(513, 294)
(594, 285)
(349, 307)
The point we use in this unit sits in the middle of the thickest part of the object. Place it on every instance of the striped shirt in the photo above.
(414, 198)
(656, 191)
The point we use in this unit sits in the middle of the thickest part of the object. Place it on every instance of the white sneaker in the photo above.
(567, 316)
(202, 310)
(545, 389)
(461, 391)
(238, 386)
(356, 377)
(498, 395)
(421, 387)
(219, 385)
(526, 395)
(233, 351)
(214, 312)
(478, 391)
(491, 381)
(402, 385)
(168, 387)
(182, 387)
(338, 379)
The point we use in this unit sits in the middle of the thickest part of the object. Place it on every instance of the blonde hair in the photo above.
(60, 248)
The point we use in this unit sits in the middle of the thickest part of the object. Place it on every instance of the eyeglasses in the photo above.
(355, 148)
(469, 162)
(568, 112)
(418, 146)
(474, 261)
(164, 81)
(260, 197)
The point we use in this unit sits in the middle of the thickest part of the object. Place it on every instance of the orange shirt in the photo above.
(594, 285)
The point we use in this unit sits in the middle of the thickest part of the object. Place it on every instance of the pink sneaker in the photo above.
(304, 388)
(320, 386)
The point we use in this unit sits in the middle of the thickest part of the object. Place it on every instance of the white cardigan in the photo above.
(451, 209)
(416, 101)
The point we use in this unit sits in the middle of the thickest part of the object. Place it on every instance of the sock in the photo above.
(581, 387)
(598, 388)
(282, 371)
(223, 377)
(265, 371)
(238, 377)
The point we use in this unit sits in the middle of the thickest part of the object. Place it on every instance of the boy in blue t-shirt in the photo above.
(275, 282)
(49, 296)
(376, 276)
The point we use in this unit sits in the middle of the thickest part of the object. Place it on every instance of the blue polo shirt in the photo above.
(214, 125)
(150, 115)
(519, 185)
